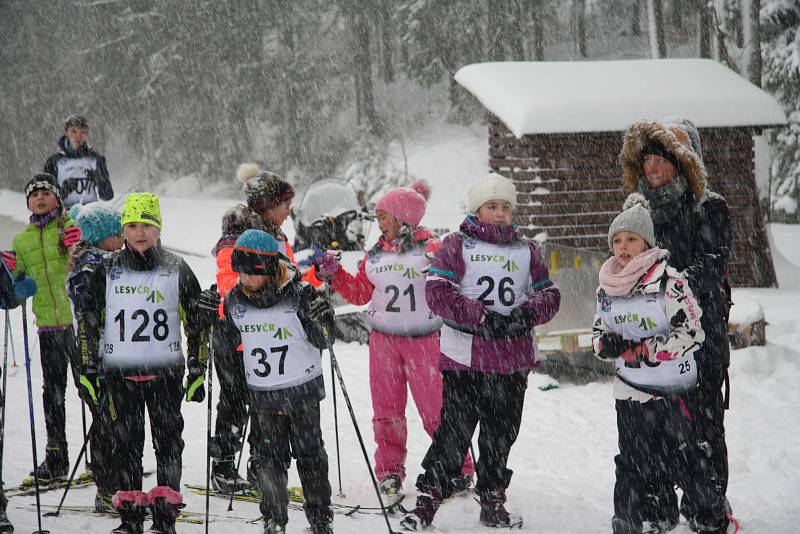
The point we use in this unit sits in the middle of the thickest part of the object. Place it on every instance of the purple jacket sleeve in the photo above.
(545, 298)
(441, 286)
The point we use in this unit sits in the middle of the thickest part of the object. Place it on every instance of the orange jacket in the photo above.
(227, 278)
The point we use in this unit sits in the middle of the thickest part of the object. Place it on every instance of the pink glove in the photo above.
(71, 236)
(635, 354)
(329, 263)
(10, 259)
(431, 247)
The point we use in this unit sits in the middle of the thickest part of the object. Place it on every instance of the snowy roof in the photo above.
(599, 96)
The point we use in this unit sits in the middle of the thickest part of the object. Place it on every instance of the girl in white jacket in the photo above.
(648, 322)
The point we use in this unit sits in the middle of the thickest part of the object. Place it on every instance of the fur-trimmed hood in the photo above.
(679, 136)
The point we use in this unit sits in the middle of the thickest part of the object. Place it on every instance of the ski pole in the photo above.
(335, 366)
(85, 435)
(78, 462)
(3, 393)
(31, 418)
(208, 417)
(336, 429)
(241, 453)
(11, 340)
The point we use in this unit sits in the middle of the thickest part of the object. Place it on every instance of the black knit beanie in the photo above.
(45, 181)
(657, 149)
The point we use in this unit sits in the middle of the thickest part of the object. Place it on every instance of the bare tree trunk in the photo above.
(677, 14)
(703, 30)
(655, 23)
(494, 31)
(536, 14)
(363, 66)
(291, 123)
(752, 31)
(579, 26)
(359, 92)
(387, 41)
(718, 36)
(636, 16)
(516, 34)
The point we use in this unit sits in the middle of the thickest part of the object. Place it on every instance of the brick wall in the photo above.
(570, 186)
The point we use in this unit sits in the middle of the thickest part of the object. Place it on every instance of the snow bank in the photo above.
(745, 311)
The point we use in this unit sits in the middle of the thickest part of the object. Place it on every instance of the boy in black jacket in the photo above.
(283, 326)
(137, 300)
(81, 171)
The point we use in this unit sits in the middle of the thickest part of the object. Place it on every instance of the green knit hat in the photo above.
(142, 208)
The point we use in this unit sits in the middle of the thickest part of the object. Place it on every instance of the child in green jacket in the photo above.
(40, 251)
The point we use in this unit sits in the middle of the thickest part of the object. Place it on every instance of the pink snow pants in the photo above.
(395, 361)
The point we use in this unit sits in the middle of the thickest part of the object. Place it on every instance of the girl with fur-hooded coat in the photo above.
(404, 342)
(648, 322)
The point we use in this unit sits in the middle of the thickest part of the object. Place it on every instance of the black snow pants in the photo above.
(469, 398)
(707, 406)
(274, 440)
(232, 404)
(101, 446)
(57, 349)
(657, 442)
(162, 396)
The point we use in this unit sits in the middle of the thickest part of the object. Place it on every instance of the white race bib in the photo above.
(398, 306)
(85, 191)
(276, 351)
(498, 275)
(142, 323)
(637, 318)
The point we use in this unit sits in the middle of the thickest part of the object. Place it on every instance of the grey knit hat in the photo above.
(635, 217)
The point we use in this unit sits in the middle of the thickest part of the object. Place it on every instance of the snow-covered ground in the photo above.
(563, 461)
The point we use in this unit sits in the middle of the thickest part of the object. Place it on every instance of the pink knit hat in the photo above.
(406, 203)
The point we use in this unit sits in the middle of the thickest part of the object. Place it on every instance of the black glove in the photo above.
(499, 326)
(91, 387)
(195, 386)
(523, 316)
(320, 311)
(208, 304)
(612, 345)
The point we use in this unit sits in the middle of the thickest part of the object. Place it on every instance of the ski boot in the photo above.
(225, 478)
(621, 526)
(165, 506)
(272, 527)
(131, 506)
(728, 525)
(390, 485)
(462, 484)
(660, 510)
(428, 502)
(54, 466)
(687, 511)
(103, 502)
(493, 510)
(321, 523)
(5, 525)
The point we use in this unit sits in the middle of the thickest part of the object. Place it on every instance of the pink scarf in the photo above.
(619, 281)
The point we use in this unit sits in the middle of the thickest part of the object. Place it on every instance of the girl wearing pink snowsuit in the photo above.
(404, 342)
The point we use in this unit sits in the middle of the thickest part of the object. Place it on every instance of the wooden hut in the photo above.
(556, 128)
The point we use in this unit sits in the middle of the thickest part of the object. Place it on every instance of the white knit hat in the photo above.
(635, 217)
(491, 187)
